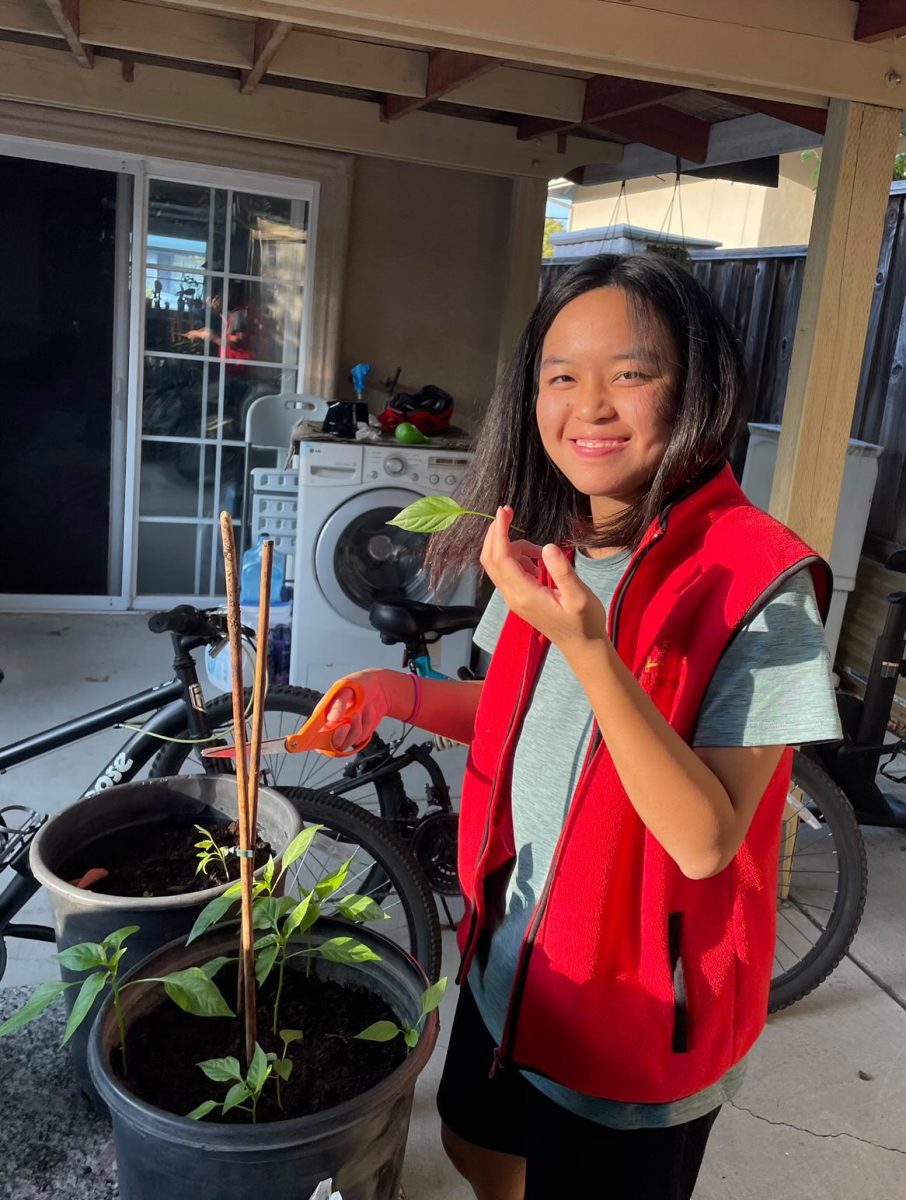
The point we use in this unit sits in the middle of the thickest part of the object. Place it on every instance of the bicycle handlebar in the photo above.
(184, 619)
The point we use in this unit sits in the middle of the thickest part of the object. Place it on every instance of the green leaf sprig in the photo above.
(431, 514)
(247, 1087)
(386, 1031)
(209, 851)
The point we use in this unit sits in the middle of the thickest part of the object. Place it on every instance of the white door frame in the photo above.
(140, 168)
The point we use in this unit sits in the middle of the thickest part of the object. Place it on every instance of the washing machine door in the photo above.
(359, 558)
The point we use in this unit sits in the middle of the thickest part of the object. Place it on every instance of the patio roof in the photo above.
(394, 78)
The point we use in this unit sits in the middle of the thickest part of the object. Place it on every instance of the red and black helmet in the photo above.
(429, 410)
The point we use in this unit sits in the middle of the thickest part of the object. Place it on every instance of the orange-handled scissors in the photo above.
(316, 733)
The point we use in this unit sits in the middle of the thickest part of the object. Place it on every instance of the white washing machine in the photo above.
(347, 555)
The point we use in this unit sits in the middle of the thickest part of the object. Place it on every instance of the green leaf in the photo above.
(283, 1068)
(269, 874)
(298, 914)
(410, 1037)
(202, 1111)
(433, 996)
(116, 956)
(310, 917)
(258, 1070)
(221, 1070)
(360, 908)
(346, 950)
(195, 993)
(299, 844)
(237, 1093)
(213, 965)
(88, 993)
(41, 998)
(380, 1031)
(329, 885)
(212, 912)
(115, 940)
(268, 911)
(288, 1036)
(83, 957)
(431, 514)
(264, 963)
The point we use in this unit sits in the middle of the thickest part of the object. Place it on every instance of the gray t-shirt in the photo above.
(773, 686)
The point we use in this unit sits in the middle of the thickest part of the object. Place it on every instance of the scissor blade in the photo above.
(271, 746)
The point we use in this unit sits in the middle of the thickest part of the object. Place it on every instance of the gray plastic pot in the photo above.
(360, 1144)
(85, 916)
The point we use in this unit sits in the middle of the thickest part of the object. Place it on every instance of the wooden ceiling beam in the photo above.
(66, 15)
(269, 37)
(880, 19)
(802, 115)
(605, 96)
(663, 128)
(447, 70)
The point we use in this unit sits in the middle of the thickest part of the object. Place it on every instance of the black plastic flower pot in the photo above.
(359, 1144)
(83, 916)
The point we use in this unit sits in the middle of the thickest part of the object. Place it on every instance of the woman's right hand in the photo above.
(378, 704)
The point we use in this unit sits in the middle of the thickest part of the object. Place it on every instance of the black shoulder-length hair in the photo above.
(706, 412)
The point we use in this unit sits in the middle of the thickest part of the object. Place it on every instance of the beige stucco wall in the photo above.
(425, 279)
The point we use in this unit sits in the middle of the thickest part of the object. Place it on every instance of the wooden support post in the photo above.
(66, 14)
(853, 188)
(527, 205)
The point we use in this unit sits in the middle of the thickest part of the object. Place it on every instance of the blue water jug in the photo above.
(250, 582)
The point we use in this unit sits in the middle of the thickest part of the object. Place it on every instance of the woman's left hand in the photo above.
(569, 614)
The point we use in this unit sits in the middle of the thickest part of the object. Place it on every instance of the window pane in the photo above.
(166, 560)
(232, 465)
(244, 384)
(185, 226)
(265, 238)
(169, 479)
(183, 312)
(264, 321)
(180, 396)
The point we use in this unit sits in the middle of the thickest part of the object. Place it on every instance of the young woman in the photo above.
(657, 646)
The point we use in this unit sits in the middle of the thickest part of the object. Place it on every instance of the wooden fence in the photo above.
(758, 291)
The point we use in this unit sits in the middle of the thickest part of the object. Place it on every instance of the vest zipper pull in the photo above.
(496, 1064)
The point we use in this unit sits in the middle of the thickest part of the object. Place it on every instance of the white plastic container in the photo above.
(218, 661)
(859, 477)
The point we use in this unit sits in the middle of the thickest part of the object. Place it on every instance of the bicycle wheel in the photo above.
(821, 885)
(285, 709)
(382, 868)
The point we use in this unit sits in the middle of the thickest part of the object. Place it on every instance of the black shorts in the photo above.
(565, 1154)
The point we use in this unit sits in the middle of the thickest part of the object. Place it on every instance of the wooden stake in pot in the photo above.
(246, 853)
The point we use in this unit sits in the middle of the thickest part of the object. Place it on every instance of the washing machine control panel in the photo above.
(432, 468)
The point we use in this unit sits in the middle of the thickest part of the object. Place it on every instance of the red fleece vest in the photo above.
(634, 982)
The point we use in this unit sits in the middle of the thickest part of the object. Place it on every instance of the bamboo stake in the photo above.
(246, 863)
(260, 690)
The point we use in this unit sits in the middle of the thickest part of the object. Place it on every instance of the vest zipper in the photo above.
(466, 959)
(503, 1053)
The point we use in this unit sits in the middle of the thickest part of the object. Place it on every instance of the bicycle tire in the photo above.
(830, 807)
(386, 796)
(394, 866)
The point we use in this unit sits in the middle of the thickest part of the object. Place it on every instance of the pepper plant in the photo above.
(431, 514)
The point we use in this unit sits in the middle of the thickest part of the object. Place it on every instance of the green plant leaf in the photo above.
(268, 911)
(202, 1111)
(83, 957)
(269, 873)
(299, 844)
(433, 996)
(258, 1071)
(88, 993)
(298, 914)
(283, 1068)
(43, 996)
(410, 1037)
(237, 1093)
(115, 940)
(360, 908)
(288, 1036)
(213, 965)
(380, 1031)
(116, 957)
(346, 950)
(221, 1070)
(195, 993)
(212, 912)
(264, 963)
(431, 514)
(310, 917)
(329, 885)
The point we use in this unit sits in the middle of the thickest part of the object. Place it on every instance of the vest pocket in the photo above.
(680, 1014)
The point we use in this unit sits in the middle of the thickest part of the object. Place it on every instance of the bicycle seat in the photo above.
(896, 561)
(408, 620)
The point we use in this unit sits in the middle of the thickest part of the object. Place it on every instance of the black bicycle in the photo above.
(177, 723)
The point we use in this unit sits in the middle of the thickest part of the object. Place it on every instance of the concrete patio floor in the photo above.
(823, 1111)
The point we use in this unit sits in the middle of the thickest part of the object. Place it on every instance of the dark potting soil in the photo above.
(159, 858)
(329, 1065)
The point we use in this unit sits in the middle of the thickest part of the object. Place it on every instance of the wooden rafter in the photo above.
(269, 37)
(663, 128)
(605, 96)
(802, 115)
(66, 15)
(447, 69)
(880, 19)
